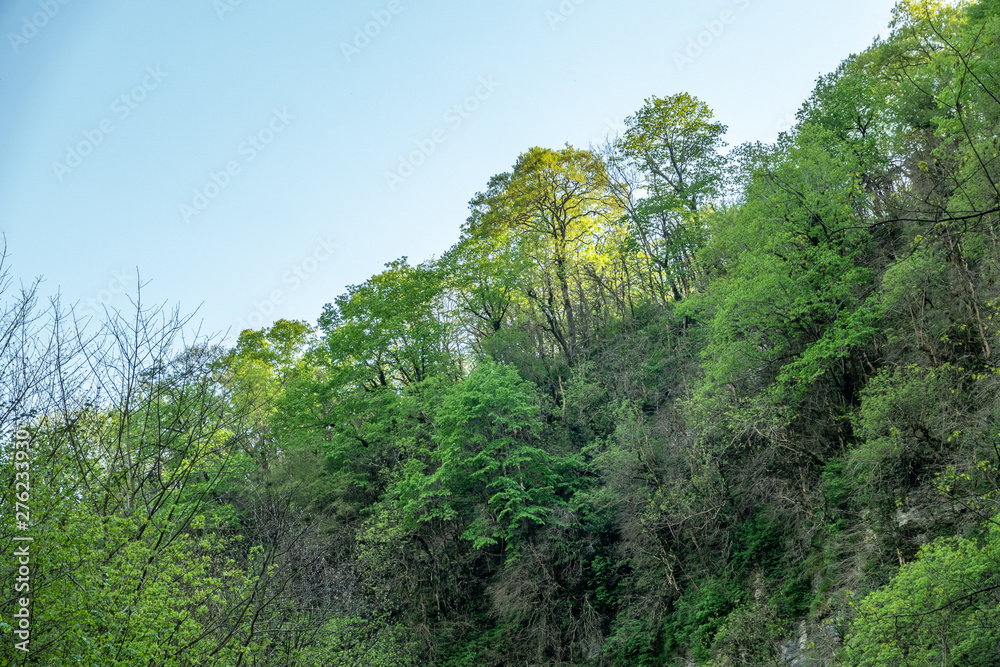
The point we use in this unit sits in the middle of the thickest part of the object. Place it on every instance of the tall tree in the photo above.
(553, 203)
(671, 149)
(676, 142)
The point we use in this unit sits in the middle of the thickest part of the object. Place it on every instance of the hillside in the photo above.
(665, 401)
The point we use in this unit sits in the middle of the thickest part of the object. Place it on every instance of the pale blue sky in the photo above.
(309, 129)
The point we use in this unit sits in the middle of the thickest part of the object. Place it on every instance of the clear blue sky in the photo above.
(238, 154)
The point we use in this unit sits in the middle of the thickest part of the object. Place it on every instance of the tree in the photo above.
(484, 275)
(551, 205)
(388, 332)
(489, 455)
(671, 148)
(940, 609)
(676, 144)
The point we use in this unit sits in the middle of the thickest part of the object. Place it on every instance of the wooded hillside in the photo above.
(665, 401)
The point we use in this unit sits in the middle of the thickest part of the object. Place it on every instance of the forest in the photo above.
(665, 401)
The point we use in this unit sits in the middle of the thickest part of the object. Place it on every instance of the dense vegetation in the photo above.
(662, 403)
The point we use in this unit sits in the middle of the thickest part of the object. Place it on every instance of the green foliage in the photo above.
(359, 640)
(794, 598)
(385, 333)
(758, 545)
(636, 642)
(548, 211)
(489, 456)
(939, 609)
(749, 636)
(791, 298)
(676, 142)
(477, 647)
(698, 615)
(279, 346)
(900, 424)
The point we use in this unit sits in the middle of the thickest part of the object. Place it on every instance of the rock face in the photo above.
(812, 647)
(923, 507)
(793, 651)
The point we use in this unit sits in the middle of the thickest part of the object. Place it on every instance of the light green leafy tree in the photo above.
(940, 609)
(551, 206)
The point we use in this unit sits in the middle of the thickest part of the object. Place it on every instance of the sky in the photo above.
(247, 160)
